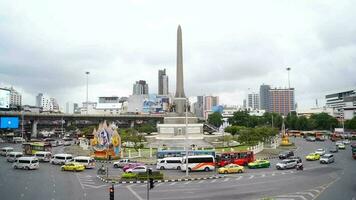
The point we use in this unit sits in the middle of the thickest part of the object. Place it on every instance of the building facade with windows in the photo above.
(253, 101)
(140, 87)
(281, 101)
(162, 82)
(339, 100)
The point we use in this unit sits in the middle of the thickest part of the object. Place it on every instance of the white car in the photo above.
(137, 169)
(346, 141)
(320, 151)
(121, 163)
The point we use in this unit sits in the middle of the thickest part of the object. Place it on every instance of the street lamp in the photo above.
(87, 76)
(186, 134)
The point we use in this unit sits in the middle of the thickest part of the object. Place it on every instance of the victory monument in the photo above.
(172, 133)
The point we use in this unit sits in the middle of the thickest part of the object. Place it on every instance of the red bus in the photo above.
(240, 158)
(335, 137)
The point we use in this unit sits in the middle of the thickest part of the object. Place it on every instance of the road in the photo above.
(333, 181)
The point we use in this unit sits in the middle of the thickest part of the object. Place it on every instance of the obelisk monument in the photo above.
(180, 103)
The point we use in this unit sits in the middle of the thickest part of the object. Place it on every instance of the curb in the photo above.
(268, 158)
(160, 181)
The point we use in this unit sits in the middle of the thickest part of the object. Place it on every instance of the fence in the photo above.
(257, 148)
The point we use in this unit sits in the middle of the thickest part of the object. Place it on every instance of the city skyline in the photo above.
(224, 63)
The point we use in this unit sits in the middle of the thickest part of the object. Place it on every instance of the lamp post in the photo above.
(87, 76)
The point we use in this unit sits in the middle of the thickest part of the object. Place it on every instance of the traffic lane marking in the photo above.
(292, 196)
(134, 193)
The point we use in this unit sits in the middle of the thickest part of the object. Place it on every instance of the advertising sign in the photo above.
(9, 122)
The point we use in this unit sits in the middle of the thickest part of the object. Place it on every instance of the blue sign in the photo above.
(9, 122)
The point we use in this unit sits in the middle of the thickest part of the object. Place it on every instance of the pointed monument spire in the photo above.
(180, 83)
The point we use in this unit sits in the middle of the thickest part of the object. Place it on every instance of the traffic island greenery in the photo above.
(142, 176)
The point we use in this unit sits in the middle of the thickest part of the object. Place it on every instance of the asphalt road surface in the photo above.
(332, 181)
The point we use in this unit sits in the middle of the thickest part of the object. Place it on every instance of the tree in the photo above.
(351, 124)
(324, 121)
(215, 119)
(131, 135)
(240, 118)
(291, 121)
(302, 123)
(277, 119)
(146, 128)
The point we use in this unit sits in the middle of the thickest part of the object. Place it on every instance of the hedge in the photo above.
(142, 176)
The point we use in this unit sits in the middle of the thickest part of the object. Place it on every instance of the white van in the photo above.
(18, 140)
(26, 163)
(43, 156)
(5, 150)
(199, 163)
(61, 159)
(88, 162)
(13, 156)
(169, 163)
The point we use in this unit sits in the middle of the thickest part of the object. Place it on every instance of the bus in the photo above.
(239, 158)
(199, 163)
(32, 147)
(335, 137)
(180, 153)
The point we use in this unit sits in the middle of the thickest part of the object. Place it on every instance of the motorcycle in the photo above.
(299, 166)
(101, 171)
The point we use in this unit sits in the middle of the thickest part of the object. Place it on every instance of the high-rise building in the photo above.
(70, 107)
(253, 101)
(337, 101)
(54, 106)
(15, 98)
(140, 87)
(199, 107)
(162, 82)
(209, 102)
(46, 103)
(264, 97)
(281, 101)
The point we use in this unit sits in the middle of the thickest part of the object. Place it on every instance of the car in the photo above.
(346, 141)
(320, 151)
(327, 158)
(338, 143)
(73, 166)
(296, 158)
(137, 169)
(259, 164)
(312, 156)
(231, 168)
(285, 154)
(286, 164)
(333, 149)
(131, 165)
(310, 139)
(121, 163)
(341, 146)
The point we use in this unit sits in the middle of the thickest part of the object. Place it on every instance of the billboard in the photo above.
(4, 98)
(9, 122)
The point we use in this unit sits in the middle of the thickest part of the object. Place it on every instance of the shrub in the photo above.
(129, 176)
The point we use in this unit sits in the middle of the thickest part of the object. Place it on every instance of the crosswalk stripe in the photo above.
(226, 179)
(213, 181)
(201, 181)
(173, 183)
(251, 176)
(187, 182)
(263, 175)
(307, 193)
(293, 196)
(238, 178)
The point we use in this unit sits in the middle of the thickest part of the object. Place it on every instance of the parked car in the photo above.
(320, 151)
(333, 149)
(131, 165)
(286, 164)
(310, 139)
(285, 154)
(73, 166)
(327, 158)
(341, 146)
(137, 169)
(121, 163)
(338, 143)
(313, 156)
(259, 164)
(231, 168)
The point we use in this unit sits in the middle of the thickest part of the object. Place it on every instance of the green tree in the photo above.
(277, 119)
(131, 135)
(324, 121)
(146, 128)
(291, 121)
(351, 124)
(302, 124)
(240, 118)
(215, 119)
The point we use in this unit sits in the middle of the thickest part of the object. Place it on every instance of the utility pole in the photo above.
(186, 138)
(87, 73)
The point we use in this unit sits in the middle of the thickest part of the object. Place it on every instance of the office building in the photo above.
(209, 103)
(15, 98)
(253, 101)
(162, 82)
(337, 101)
(264, 97)
(281, 101)
(199, 107)
(140, 87)
(44, 102)
(69, 109)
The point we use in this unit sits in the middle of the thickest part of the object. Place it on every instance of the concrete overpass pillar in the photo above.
(132, 124)
(34, 129)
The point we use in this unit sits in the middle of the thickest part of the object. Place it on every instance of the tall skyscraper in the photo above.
(253, 101)
(162, 82)
(43, 101)
(199, 107)
(281, 101)
(15, 98)
(140, 87)
(264, 97)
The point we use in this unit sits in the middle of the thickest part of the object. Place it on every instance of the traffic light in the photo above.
(152, 183)
(111, 190)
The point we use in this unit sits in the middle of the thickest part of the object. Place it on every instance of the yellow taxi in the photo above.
(313, 156)
(231, 168)
(72, 166)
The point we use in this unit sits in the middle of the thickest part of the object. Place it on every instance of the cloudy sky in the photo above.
(229, 46)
